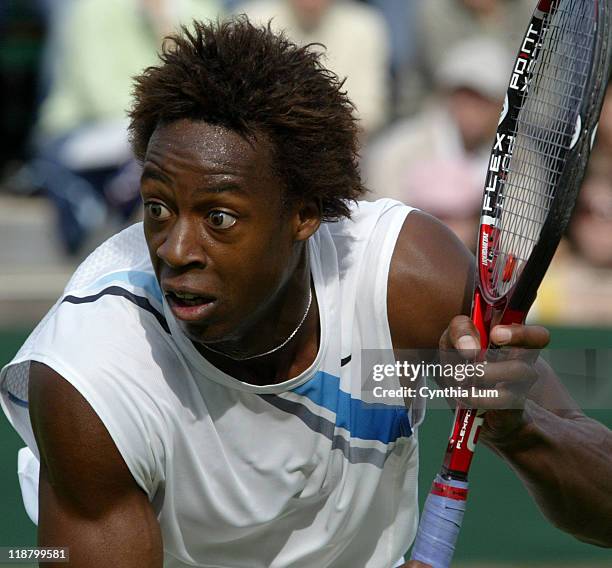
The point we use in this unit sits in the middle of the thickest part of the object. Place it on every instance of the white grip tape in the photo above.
(439, 527)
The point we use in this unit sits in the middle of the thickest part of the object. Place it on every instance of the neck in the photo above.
(245, 356)
(281, 343)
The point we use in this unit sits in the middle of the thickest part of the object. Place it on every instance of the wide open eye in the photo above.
(221, 219)
(157, 211)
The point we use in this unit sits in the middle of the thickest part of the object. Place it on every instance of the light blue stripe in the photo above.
(144, 280)
(363, 420)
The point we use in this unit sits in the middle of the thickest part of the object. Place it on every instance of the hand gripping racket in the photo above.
(541, 149)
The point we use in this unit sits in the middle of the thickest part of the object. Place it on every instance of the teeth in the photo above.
(186, 296)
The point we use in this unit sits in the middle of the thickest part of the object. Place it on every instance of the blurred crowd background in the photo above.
(427, 78)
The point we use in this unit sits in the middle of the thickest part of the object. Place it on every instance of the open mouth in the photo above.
(186, 299)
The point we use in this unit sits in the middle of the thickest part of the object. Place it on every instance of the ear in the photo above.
(307, 219)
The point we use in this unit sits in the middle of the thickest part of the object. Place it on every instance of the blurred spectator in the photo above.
(437, 161)
(356, 39)
(81, 135)
(54, 13)
(231, 5)
(601, 157)
(591, 229)
(442, 24)
(401, 19)
(21, 40)
(578, 288)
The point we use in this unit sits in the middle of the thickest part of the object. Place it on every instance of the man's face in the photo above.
(216, 227)
(475, 115)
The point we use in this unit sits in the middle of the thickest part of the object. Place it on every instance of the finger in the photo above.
(527, 336)
(463, 336)
(446, 352)
(444, 344)
(500, 398)
(513, 372)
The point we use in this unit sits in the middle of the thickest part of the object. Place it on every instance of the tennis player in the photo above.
(194, 397)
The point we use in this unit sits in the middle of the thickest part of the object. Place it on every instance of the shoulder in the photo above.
(76, 449)
(118, 275)
(105, 349)
(430, 282)
(365, 214)
(369, 222)
(102, 364)
(112, 307)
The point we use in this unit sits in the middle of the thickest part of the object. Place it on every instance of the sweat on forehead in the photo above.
(204, 137)
(194, 145)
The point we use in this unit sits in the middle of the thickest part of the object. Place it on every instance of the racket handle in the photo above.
(440, 523)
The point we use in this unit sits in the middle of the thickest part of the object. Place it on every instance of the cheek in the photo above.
(268, 265)
(482, 118)
(258, 269)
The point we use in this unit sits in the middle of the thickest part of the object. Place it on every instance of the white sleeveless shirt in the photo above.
(296, 474)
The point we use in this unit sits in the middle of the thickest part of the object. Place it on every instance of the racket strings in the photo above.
(545, 131)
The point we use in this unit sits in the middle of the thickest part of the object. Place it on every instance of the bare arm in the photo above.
(88, 499)
(563, 458)
(430, 281)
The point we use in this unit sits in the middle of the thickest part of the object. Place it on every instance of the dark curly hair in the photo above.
(252, 80)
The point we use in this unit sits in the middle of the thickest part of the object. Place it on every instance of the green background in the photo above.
(502, 525)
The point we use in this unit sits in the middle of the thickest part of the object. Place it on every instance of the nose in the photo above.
(182, 245)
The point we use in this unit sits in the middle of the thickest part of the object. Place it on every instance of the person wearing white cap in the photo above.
(437, 160)
(441, 25)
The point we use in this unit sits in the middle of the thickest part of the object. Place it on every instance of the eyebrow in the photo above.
(215, 188)
(148, 173)
(222, 187)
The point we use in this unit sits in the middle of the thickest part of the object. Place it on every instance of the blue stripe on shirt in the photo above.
(139, 279)
(363, 420)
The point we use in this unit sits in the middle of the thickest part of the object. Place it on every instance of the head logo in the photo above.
(504, 111)
(576, 132)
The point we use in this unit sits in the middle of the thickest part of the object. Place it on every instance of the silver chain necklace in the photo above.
(274, 349)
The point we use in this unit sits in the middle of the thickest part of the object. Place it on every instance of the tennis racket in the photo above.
(539, 157)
